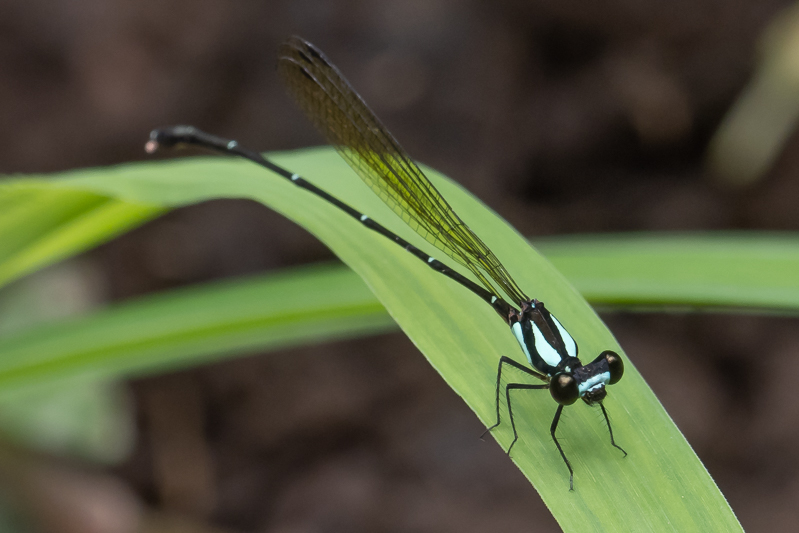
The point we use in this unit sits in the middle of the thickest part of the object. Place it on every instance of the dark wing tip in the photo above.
(297, 49)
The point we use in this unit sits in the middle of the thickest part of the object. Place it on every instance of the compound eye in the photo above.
(564, 390)
(615, 364)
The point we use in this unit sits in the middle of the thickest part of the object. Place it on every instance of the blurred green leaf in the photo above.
(42, 222)
(223, 319)
(660, 486)
(725, 270)
(756, 129)
(189, 326)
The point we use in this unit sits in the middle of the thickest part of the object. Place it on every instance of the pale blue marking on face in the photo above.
(517, 332)
(549, 354)
(364, 218)
(295, 177)
(568, 341)
(231, 145)
(493, 299)
(594, 382)
(431, 260)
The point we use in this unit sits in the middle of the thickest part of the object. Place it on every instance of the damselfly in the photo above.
(352, 128)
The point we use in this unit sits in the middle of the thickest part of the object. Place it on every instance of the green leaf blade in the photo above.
(171, 330)
(661, 486)
(722, 270)
(42, 222)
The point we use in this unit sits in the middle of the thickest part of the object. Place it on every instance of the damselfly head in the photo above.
(607, 369)
(615, 365)
(595, 395)
(564, 388)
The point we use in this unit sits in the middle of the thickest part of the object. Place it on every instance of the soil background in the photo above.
(565, 117)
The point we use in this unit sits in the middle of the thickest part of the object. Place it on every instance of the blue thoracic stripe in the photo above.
(546, 351)
(599, 379)
(517, 332)
(568, 340)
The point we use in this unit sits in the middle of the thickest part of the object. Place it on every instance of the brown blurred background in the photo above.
(564, 116)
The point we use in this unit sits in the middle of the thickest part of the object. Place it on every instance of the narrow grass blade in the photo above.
(191, 326)
(42, 222)
(262, 312)
(756, 271)
(661, 486)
